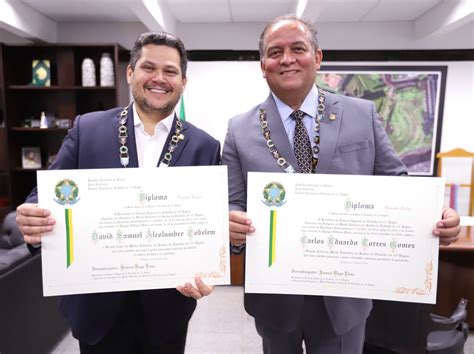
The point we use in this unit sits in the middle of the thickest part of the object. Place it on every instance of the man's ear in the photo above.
(129, 74)
(318, 58)
(262, 67)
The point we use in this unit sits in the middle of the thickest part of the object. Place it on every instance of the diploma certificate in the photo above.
(134, 228)
(337, 235)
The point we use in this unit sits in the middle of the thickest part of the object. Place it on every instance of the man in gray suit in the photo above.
(302, 129)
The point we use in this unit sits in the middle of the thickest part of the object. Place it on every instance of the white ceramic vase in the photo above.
(88, 72)
(106, 70)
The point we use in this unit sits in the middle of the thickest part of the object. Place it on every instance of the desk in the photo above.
(456, 275)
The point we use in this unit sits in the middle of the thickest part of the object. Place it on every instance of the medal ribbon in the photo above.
(69, 237)
(271, 248)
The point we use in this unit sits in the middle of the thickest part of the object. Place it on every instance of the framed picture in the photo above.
(41, 72)
(31, 157)
(409, 101)
(63, 123)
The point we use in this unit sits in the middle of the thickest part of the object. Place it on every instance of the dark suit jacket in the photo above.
(354, 143)
(93, 143)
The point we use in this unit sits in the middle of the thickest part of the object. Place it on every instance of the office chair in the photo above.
(409, 328)
(448, 335)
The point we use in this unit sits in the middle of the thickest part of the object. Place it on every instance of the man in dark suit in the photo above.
(146, 133)
(302, 129)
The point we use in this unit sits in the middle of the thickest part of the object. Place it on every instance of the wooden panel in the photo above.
(66, 67)
(237, 269)
(3, 149)
(456, 276)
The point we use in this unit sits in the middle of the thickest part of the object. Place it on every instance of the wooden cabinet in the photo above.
(4, 173)
(64, 99)
(455, 276)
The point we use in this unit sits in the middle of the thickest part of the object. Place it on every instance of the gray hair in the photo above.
(159, 38)
(308, 25)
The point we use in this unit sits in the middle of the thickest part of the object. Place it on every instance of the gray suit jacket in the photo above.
(354, 143)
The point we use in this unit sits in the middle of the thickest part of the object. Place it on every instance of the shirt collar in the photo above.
(309, 105)
(167, 123)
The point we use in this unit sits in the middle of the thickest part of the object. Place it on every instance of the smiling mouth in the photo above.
(160, 91)
(289, 72)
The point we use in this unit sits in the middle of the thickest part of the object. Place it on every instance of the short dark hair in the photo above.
(309, 26)
(159, 38)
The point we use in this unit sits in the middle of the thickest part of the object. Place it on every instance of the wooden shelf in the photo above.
(65, 98)
(21, 169)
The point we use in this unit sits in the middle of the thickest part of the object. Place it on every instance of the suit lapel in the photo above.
(278, 132)
(329, 132)
(179, 147)
(131, 143)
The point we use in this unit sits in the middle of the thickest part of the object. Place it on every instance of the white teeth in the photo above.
(158, 90)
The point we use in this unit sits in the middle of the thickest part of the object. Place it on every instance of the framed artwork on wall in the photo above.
(408, 99)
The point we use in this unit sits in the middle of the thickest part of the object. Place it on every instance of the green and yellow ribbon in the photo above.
(272, 238)
(69, 237)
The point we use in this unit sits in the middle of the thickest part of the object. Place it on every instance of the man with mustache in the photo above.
(151, 321)
(302, 129)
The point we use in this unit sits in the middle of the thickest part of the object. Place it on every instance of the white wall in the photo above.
(216, 91)
(123, 33)
(10, 38)
(458, 121)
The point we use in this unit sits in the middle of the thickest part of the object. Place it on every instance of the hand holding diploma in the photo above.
(197, 292)
(239, 226)
(33, 222)
(448, 229)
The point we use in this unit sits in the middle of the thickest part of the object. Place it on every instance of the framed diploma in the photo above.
(350, 236)
(133, 229)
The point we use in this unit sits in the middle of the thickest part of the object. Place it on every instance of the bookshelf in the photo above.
(64, 99)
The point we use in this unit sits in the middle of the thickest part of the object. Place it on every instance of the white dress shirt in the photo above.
(149, 147)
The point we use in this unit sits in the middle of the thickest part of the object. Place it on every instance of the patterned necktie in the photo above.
(301, 143)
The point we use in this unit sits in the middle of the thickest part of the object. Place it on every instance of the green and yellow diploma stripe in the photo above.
(67, 192)
(272, 238)
(274, 196)
(69, 238)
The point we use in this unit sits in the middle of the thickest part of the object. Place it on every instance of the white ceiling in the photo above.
(42, 19)
(223, 11)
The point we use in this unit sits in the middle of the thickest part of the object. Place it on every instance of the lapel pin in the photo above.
(332, 116)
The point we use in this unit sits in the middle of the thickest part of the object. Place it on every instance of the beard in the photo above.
(164, 110)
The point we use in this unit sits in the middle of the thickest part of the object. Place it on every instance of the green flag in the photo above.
(182, 112)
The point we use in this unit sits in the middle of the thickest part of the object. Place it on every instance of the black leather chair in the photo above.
(29, 322)
(409, 328)
(448, 335)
